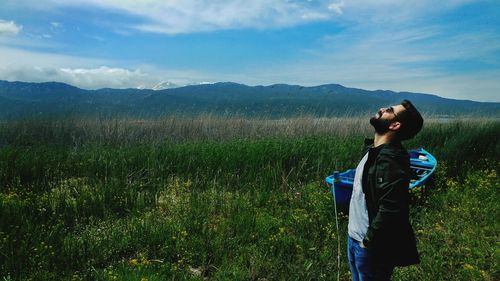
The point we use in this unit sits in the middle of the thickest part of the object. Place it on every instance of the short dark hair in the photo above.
(411, 121)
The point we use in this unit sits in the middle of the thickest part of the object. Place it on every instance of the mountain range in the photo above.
(58, 100)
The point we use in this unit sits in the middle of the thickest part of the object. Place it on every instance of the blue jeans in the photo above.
(363, 265)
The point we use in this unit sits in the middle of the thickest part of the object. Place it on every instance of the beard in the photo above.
(380, 125)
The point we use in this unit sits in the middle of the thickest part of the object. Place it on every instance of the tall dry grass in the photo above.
(76, 132)
(173, 129)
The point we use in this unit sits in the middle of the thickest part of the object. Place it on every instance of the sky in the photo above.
(448, 48)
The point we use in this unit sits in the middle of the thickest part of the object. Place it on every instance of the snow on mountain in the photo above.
(165, 85)
(170, 85)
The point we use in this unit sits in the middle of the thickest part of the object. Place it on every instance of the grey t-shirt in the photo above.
(358, 214)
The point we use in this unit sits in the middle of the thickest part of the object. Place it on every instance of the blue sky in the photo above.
(449, 48)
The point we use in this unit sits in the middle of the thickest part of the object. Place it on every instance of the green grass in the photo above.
(457, 229)
(229, 208)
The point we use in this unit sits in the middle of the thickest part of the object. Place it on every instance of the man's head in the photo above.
(402, 120)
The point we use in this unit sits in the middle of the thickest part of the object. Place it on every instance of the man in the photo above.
(380, 234)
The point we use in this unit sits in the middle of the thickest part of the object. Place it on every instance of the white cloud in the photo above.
(87, 73)
(337, 7)
(187, 16)
(175, 17)
(87, 78)
(94, 78)
(9, 28)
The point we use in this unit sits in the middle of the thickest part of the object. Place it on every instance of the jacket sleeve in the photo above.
(391, 183)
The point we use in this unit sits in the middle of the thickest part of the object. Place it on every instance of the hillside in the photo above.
(51, 99)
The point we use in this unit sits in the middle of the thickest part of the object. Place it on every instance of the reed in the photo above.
(173, 129)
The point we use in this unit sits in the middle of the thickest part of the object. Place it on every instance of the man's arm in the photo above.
(391, 184)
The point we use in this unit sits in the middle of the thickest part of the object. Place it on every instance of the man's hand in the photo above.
(362, 245)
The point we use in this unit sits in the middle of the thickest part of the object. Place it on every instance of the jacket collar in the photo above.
(369, 144)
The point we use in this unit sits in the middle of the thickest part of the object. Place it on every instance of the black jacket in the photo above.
(386, 177)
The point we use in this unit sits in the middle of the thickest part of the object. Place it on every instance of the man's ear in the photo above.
(395, 126)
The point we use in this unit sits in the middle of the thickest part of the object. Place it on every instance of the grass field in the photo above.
(226, 199)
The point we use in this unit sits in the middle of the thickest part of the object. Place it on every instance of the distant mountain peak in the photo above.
(165, 85)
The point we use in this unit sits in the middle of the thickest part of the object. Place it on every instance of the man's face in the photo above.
(385, 117)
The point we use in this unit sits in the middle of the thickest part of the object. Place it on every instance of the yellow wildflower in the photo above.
(468, 267)
(133, 262)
